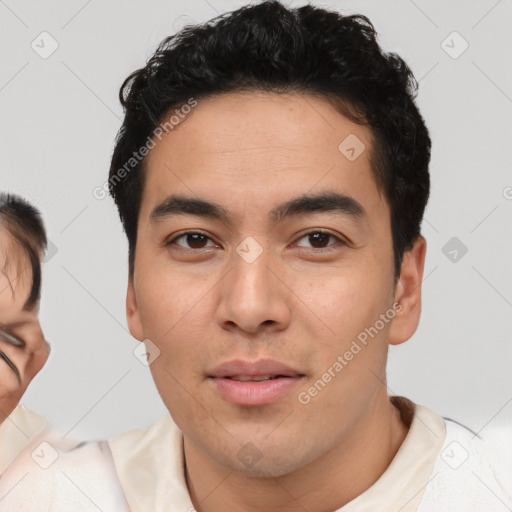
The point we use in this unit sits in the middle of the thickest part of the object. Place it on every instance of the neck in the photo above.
(328, 483)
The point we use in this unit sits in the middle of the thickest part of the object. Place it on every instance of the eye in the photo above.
(319, 239)
(193, 239)
(10, 339)
(11, 365)
(196, 240)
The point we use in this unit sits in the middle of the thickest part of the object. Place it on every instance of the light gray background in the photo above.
(58, 120)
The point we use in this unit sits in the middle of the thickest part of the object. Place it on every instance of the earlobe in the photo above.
(132, 311)
(408, 293)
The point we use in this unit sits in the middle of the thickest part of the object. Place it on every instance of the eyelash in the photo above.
(322, 249)
(10, 339)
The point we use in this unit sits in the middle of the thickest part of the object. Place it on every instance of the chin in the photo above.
(269, 462)
(276, 466)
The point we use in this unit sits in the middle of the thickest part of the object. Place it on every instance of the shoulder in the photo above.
(147, 440)
(473, 472)
(150, 466)
(16, 432)
(52, 473)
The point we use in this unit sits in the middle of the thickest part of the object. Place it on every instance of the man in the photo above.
(271, 175)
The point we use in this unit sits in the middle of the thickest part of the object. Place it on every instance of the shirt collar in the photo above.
(150, 465)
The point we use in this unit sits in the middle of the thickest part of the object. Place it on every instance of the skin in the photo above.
(202, 304)
(17, 322)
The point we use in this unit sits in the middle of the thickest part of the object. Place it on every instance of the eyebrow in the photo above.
(331, 202)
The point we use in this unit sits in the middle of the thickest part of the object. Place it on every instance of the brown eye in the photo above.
(193, 240)
(320, 240)
(196, 241)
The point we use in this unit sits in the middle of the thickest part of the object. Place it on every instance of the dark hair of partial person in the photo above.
(268, 47)
(25, 225)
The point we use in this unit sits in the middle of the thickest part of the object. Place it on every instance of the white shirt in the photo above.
(440, 467)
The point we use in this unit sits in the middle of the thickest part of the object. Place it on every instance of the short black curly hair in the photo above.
(25, 225)
(269, 47)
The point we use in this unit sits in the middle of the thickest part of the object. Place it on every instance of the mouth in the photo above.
(257, 378)
(254, 384)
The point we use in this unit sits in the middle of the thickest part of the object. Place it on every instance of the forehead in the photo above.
(15, 273)
(249, 150)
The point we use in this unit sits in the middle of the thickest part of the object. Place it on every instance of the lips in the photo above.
(254, 378)
(247, 369)
(255, 383)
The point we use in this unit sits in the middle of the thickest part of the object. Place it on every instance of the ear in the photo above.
(132, 310)
(408, 293)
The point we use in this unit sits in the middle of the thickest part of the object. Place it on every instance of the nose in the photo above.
(254, 297)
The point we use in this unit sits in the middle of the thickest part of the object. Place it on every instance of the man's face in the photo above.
(258, 288)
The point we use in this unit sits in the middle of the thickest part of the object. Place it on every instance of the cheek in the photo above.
(340, 308)
(336, 300)
(170, 311)
(167, 302)
(177, 374)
